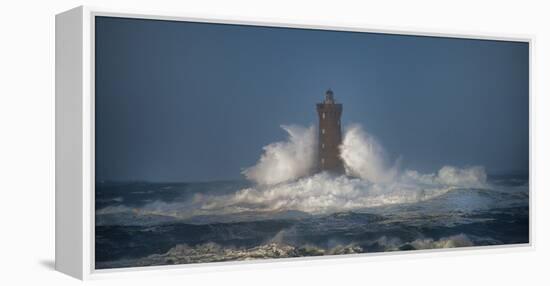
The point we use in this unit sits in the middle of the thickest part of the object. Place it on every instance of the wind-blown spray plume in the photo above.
(364, 157)
(286, 161)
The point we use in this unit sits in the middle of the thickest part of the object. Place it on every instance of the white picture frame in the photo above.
(74, 215)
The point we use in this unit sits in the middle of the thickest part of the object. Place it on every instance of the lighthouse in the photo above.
(330, 135)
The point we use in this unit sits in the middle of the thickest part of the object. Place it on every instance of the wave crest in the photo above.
(286, 161)
(325, 193)
(364, 157)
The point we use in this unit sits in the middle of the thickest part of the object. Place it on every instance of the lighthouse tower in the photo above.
(330, 134)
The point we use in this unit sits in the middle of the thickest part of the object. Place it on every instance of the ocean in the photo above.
(145, 223)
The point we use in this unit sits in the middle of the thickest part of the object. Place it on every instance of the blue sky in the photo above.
(180, 101)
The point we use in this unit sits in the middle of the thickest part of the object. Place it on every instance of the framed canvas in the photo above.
(184, 142)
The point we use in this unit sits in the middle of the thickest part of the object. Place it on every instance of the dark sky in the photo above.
(179, 101)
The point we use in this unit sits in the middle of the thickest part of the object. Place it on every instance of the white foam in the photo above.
(285, 183)
(364, 157)
(288, 160)
(324, 193)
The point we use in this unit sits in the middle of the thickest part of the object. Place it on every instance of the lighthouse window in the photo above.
(323, 146)
(323, 161)
(323, 115)
(323, 131)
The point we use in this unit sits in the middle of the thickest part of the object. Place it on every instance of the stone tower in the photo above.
(330, 135)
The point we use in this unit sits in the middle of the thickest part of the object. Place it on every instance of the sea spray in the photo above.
(285, 181)
(286, 161)
(295, 158)
(364, 157)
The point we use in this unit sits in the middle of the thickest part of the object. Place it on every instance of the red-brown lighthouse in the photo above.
(330, 134)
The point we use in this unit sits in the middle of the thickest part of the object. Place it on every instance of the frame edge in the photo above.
(69, 243)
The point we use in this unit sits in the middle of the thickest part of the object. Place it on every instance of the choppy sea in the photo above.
(143, 223)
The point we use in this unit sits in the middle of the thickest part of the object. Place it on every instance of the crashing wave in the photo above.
(365, 158)
(322, 193)
(284, 182)
(286, 161)
(453, 241)
(212, 252)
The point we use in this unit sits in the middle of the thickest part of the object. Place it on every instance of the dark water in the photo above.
(138, 224)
